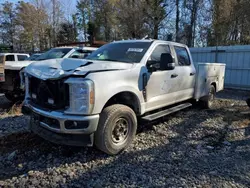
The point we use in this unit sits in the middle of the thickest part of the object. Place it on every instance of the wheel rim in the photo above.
(120, 131)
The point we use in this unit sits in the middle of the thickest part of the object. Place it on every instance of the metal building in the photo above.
(236, 58)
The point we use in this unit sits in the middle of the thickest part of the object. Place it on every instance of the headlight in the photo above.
(22, 79)
(26, 87)
(81, 96)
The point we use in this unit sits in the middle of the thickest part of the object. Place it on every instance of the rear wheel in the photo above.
(116, 129)
(208, 101)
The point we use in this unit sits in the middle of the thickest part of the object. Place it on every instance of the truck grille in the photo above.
(49, 94)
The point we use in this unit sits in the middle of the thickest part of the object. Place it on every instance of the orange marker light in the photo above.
(91, 97)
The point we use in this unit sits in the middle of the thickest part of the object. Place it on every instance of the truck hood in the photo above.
(58, 68)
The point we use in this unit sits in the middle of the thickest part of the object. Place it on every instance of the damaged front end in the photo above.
(59, 105)
(60, 110)
(60, 99)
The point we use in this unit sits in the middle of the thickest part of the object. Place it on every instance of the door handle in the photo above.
(174, 75)
(192, 73)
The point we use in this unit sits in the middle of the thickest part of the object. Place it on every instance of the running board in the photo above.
(166, 112)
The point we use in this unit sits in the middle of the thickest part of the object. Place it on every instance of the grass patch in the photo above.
(15, 110)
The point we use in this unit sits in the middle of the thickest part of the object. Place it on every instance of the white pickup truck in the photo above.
(12, 64)
(97, 101)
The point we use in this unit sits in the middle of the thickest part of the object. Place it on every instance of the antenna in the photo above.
(145, 37)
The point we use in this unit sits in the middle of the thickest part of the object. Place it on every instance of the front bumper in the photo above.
(57, 127)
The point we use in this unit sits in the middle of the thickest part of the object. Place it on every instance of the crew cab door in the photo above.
(162, 86)
(2, 65)
(186, 74)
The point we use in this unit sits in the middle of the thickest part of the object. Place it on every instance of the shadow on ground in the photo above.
(5, 104)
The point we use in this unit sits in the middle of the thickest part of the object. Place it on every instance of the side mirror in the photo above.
(153, 65)
(167, 62)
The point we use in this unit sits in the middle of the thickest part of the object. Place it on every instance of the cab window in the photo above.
(21, 57)
(79, 54)
(155, 57)
(182, 56)
(160, 49)
(9, 58)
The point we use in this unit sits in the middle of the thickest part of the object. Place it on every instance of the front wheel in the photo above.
(116, 129)
(208, 101)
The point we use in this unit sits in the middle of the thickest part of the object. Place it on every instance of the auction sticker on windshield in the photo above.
(135, 49)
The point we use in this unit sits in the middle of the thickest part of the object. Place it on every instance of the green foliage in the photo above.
(231, 22)
(37, 24)
(66, 33)
(7, 22)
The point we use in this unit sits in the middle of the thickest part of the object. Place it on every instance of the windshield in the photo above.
(33, 57)
(129, 52)
(54, 53)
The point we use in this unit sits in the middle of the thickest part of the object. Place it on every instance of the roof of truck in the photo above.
(13, 54)
(151, 40)
(76, 47)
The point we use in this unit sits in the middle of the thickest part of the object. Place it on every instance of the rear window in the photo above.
(9, 58)
(21, 57)
(182, 56)
(80, 54)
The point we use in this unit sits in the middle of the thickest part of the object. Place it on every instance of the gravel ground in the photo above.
(191, 148)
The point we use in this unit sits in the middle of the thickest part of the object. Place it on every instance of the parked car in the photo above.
(33, 57)
(66, 52)
(8, 76)
(98, 101)
(11, 83)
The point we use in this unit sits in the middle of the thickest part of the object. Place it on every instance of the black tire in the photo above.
(208, 101)
(111, 137)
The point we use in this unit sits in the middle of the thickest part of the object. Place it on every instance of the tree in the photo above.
(156, 11)
(177, 22)
(231, 22)
(83, 16)
(56, 19)
(33, 23)
(193, 7)
(7, 23)
(132, 25)
(66, 33)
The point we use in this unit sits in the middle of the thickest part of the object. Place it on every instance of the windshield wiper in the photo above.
(107, 59)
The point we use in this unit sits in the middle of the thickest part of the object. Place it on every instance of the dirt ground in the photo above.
(191, 148)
